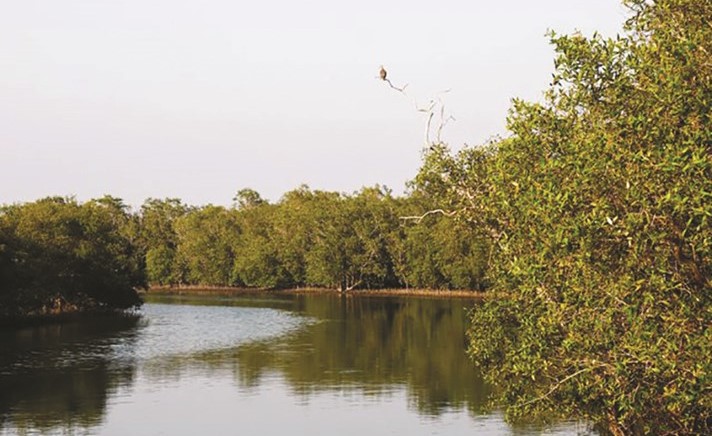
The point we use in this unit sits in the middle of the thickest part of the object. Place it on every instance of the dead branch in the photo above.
(427, 128)
(419, 218)
(353, 286)
(443, 122)
(402, 90)
(430, 109)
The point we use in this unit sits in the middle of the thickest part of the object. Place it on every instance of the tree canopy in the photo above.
(598, 208)
(57, 255)
(310, 238)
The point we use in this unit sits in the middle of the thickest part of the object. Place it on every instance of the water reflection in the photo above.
(374, 345)
(317, 361)
(61, 375)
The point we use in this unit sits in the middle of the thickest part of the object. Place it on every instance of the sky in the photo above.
(199, 99)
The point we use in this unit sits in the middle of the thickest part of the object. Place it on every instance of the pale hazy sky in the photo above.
(197, 99)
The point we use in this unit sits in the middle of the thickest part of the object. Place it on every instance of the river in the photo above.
(273, 364)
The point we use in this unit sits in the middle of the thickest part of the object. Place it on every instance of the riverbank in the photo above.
(395, 292)
(56, 309)
(39, 319)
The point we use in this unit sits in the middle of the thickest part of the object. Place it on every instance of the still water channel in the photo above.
(276, 364)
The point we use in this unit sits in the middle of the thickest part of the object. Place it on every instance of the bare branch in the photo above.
(427, 127)
(561, 382)
(419, 218)
(401, 90)
(430, 109)
(443, 122)
(353, 286)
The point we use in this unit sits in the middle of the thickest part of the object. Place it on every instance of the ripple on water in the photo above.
(164, 331)
(180, 330)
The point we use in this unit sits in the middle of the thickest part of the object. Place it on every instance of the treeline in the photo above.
(597, 217)
(59, 256)
(310, 239)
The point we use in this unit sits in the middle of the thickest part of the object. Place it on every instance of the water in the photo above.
(271, 365)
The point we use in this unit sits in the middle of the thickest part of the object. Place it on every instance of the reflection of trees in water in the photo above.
(61, 375)
(374, 345)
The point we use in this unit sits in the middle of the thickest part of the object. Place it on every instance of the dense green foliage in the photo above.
(591, 221)
(57, 255)
(599, 206)
(310, 238)
(159, 239)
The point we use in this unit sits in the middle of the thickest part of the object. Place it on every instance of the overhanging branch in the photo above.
(419, 218)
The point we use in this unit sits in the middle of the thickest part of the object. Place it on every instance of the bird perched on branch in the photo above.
(383, 73)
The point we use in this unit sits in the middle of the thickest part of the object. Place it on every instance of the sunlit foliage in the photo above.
(57, 255)
(599, 207)
(309, 238)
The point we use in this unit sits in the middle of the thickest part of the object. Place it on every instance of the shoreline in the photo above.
(39, 319)
(390, 292)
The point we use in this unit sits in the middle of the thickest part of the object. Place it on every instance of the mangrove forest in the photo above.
(587, 229)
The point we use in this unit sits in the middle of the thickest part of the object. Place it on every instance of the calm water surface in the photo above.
(252, 365)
